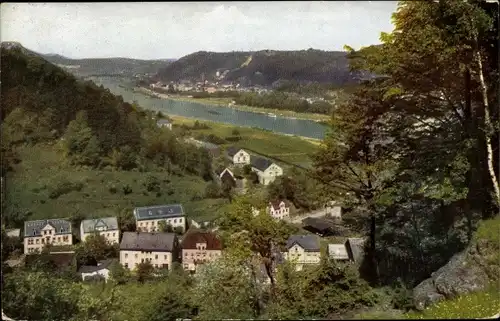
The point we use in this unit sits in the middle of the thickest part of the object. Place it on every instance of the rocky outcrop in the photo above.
(469, 271)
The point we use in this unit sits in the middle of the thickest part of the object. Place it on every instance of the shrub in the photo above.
(65, 187)
(126, 189)
(112, 189)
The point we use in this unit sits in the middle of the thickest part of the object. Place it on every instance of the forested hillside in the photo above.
(108, 66)
(77, 125)
(264, 67)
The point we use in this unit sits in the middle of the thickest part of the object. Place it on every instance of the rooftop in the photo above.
(158, 212)
(33, 228)
(191, 238)
(105, 223)
(310, 243)
(261, 163)
(153, 242)
(232, 150)
(276, 204)
(338, 251)
(104, 264)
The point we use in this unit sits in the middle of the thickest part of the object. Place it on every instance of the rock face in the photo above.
(469, 271)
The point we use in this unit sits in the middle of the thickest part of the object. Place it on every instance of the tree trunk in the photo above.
(489, 127)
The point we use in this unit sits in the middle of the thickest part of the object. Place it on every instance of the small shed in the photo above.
(355, 248)
(319, 226)
(338, 252)
(101, 270)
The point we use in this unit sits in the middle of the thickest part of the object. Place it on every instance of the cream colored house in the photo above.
(37, 234)
(278, 210)
(106, 226)
(159, 249)
(147, 218)
(164, 123)
(238, 156)
(266, 170)
(199, 247)
(302, 250)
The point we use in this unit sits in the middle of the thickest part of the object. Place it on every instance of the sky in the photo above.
(158, 30)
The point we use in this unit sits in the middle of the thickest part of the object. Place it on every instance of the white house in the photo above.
(238, 156)
(148, 218)
(106, 226)
(266, 170)
(278, 209)
(91, 271)
(333, 210)
(164, 123)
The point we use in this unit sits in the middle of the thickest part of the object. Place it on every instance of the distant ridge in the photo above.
(262, 67)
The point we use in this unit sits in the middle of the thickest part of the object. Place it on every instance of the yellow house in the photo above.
(302, 250)
(39, 233)
(106, 226)
(159, 249)
(147, 218)
(238, 156)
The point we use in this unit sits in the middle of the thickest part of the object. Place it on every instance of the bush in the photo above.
(233, 139)
(213, 190)
(65, 187)
(126, 189)
(235, 132)
(112, 189)
(152, 184)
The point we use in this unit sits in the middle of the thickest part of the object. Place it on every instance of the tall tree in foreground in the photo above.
(355, 160)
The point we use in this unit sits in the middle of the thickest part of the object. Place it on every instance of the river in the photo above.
(284, 125)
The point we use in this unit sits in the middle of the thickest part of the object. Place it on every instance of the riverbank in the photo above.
(288, 148)
(226, 102)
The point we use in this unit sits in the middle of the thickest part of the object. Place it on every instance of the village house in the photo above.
(106, 226)
(278, 209)
(159, 249)
(101, 270)
(199, 247)
(39, 233)
(302, 250)
(338, 252)
(226, 176)
(147, 218)
(164, 123)
(266, 170)
(238, 156)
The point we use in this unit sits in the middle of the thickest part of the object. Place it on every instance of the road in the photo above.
(298, 219)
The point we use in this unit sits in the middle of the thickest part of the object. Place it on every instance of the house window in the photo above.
(65, 238)
(156, 257)
(43, 241)
(126, 265)
(44, 232)
(37, 241)
(126, 255)
(136, 255)
(165, 257)
(114, 234)
(186, 254)
(58, 239)
(142, 260)
(175, 220)
(50, 232)
(165, 266)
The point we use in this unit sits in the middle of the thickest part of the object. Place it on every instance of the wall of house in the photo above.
(36, 243)
(297, 254)
(241, 158)
(281, 213)
(112, 236)
(103, 272)
(265, 178)
(152, 225)
(190, 255)
(130, 259)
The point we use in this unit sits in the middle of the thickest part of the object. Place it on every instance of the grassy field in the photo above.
(291, 149)
(32, 188)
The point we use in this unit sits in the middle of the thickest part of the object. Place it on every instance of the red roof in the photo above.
(276, 204)
(192, 238)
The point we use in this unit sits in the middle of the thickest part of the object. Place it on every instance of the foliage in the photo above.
(95, 248)
(144, 271)
(118, 273)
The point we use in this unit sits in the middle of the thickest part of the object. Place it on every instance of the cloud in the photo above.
(164, 30)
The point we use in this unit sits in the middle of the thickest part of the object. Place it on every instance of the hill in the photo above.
(107, 66)
(71, 147)
(262, 67)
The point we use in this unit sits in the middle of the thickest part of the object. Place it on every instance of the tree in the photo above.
(144, 271)
(356, 156)
(95, 248)
(41, 296)
(229, 281)
(82, 147)
(163, 226)
(261, 233)
(118, 273)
